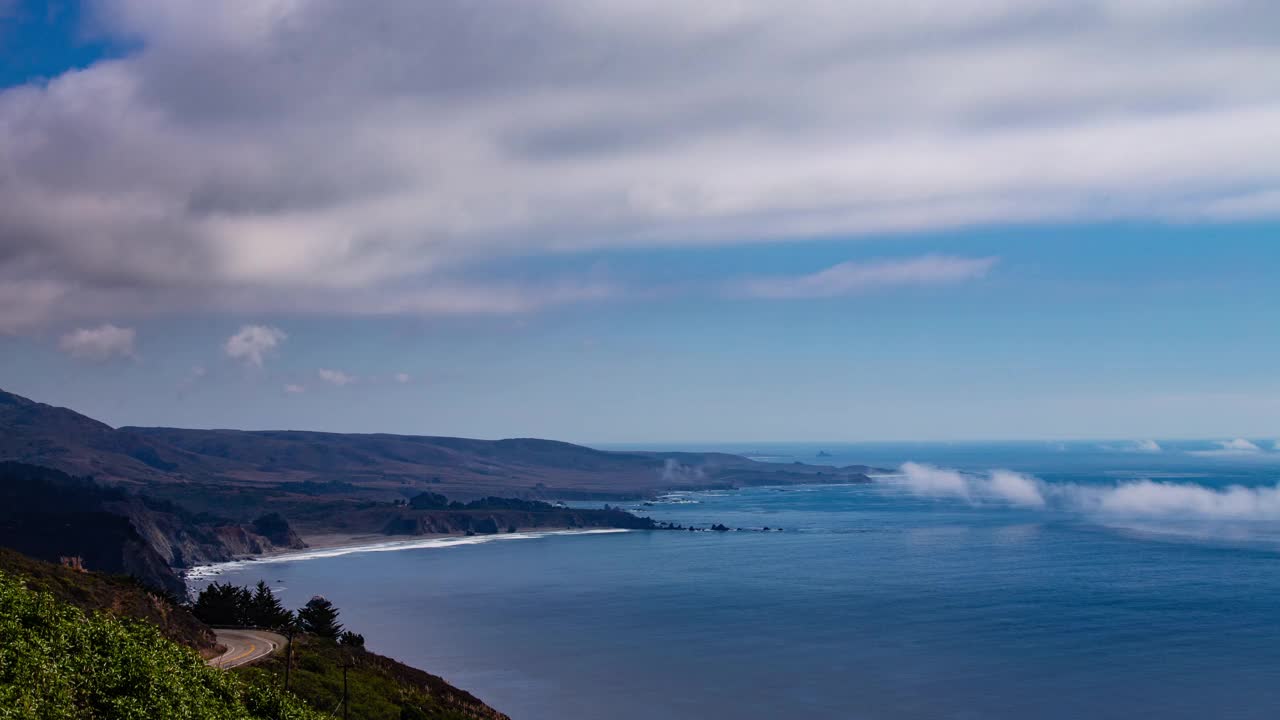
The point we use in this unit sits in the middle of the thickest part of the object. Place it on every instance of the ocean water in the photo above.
(1089, 581)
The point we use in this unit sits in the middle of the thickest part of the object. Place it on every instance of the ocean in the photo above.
(1080, 580)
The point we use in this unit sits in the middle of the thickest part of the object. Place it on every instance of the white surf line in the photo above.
(214, 569)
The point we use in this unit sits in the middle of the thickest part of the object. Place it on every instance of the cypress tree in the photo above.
(223, 604)
(319, 617)
(265, 609)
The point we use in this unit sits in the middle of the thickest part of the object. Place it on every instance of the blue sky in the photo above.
(876, 226)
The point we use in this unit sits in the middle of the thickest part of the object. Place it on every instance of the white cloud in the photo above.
(1231, 448)
(101, 343)
(997, 486)
(1240, 445)
(249, 152)
(401, 378)
(253, 343)
(335, 377)
(1137, 446)
(935, 481)
(293, 389)
(1152, 499)
(1141, 499)
(853, 277)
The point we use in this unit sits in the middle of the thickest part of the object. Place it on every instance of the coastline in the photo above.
(329, 545)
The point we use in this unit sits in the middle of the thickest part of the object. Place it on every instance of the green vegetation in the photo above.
(56, 662)
(119, 595)
(379, 688)
(227, 605)
(319, 617)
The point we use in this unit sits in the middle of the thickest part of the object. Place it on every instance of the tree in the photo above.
(265, 609)
(351, 639)
(57, 661)
(223, 604)
(319, 617)
(429, 501)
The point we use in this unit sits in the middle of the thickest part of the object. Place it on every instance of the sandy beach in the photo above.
(338, 544)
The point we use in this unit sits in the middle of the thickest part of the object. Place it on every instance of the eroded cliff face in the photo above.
(49, 515)
(276, 529)
(184, 540)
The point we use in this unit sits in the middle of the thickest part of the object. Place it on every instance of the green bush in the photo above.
(57, 662)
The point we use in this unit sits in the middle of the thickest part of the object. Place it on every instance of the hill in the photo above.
(379, 688)
(82, 644)
(371, 465)
(117, 595)
(57, 661)
(237, 471)
(56, 437)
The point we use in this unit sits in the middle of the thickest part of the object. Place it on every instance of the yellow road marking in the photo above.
(244, 654)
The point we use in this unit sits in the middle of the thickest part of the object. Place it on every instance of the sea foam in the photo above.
(214, 569)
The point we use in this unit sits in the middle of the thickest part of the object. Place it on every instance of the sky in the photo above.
(646, 222)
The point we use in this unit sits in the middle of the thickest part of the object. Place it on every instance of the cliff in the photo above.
(50, 515)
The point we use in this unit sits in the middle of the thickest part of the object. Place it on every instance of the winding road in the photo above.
(244, 647)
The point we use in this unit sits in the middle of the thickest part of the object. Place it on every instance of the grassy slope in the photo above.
(120, 596)
(58, 662)
(379, 688)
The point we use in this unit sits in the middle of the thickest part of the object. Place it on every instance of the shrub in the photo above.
(57, 662)
(351, 639)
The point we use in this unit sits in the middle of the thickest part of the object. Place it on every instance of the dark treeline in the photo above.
(436, 501)
(227, 605)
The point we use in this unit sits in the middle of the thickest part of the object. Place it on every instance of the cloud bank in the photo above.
(1240, 445)
(1135, 499)
(319, 156)
(997, 486)
(1231, 448)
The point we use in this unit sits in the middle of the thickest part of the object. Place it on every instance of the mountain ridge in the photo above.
(369, 466)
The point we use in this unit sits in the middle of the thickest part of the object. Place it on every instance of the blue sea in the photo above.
(1031, 580)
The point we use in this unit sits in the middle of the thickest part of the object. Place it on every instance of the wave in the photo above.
(214, 569)
(678, 498)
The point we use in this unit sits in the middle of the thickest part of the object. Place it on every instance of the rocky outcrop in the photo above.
(275, 528)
